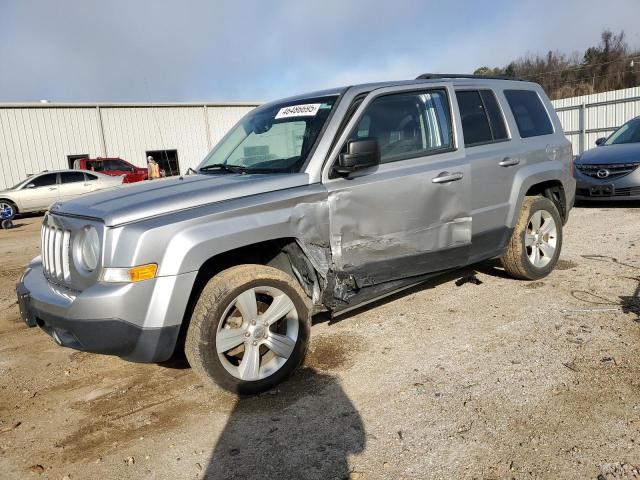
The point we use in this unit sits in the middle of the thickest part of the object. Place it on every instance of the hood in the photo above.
(136, 201)
(608, 154)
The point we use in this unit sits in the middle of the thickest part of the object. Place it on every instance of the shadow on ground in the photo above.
(306, 429)
(631, 303)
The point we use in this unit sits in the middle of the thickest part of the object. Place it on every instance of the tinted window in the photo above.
(45, 180)
(482, 120)
(114, 165)
(407, 124)
(475, 123)
(496, 120)
(70, 177)
(91, 177)
(95, 166)
(531, 117)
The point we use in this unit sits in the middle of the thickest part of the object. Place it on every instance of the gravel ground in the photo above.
(503, 379)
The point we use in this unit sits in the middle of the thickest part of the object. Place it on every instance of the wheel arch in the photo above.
(284, 253)
(538, 179)
(554, 191)
(12, 202)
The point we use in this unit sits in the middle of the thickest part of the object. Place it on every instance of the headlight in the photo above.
(88, 249)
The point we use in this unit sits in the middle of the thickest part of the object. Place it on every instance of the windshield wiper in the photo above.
(224, 166)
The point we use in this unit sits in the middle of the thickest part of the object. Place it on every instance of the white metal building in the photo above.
(37, 137)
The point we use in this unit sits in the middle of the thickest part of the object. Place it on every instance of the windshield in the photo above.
(276, 139)
(627, 133)
(19, 184)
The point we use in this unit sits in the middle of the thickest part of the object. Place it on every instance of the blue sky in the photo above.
(209, 50)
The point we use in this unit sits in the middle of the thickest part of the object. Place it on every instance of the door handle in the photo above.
(509, 162)
(446, 177)
(53, 188)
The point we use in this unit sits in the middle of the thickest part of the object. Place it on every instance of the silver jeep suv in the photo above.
(319, 202)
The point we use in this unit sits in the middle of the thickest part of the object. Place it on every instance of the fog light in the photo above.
(127, 275)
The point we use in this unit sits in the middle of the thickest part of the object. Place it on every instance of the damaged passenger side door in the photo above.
(408, 216)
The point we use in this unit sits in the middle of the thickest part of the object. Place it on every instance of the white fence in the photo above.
(587, 118)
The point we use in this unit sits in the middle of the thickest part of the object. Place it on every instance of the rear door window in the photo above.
(482, 120)
(71, 177)
(531, 116)
(496, 120)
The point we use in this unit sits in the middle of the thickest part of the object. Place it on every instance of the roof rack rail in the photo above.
(438, 76)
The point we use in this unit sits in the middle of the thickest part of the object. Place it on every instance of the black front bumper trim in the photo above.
(107, 336)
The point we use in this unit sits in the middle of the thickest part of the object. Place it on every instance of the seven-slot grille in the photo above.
(615, 170)
(55, 253)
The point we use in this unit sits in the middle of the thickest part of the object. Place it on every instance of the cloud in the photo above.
(73, 50)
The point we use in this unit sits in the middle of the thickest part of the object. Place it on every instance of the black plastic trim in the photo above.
(110, 337)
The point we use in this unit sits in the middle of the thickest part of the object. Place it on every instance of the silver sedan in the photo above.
(37, 192)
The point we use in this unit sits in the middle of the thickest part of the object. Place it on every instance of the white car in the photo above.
(37, 192)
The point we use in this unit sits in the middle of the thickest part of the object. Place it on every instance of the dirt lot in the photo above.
(504, 379)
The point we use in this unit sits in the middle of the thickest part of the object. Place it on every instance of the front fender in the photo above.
(184, 241)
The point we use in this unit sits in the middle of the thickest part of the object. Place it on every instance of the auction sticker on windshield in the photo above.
(308, 110)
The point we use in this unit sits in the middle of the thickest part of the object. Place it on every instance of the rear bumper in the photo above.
(108, 319)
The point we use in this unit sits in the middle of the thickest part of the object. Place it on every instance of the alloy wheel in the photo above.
(257, 334)
(540, 238)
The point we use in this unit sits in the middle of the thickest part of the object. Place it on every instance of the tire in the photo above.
(7, 224)
(223, 345)
(8, 204)
(520, 260)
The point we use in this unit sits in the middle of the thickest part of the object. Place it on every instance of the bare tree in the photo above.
(610, 65)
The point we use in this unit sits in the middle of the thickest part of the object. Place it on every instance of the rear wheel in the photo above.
(249, 329)
(535, 244)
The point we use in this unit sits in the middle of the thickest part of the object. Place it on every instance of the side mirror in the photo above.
(601, 140)
(31, 185)
(362, 153)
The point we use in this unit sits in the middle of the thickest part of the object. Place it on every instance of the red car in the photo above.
(113, 166)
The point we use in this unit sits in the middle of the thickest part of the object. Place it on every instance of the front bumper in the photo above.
(617, 189)
(138, 321)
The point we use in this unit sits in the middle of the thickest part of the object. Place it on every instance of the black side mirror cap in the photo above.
(362, 153)
(601, 140)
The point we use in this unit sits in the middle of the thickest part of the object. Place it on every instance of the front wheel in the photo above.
(8, 210)
(249, 329)
(535, 244)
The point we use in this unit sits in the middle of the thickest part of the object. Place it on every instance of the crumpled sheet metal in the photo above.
(311, 222)
(369, 226)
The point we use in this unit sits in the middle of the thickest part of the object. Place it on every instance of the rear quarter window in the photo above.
(531, 117)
